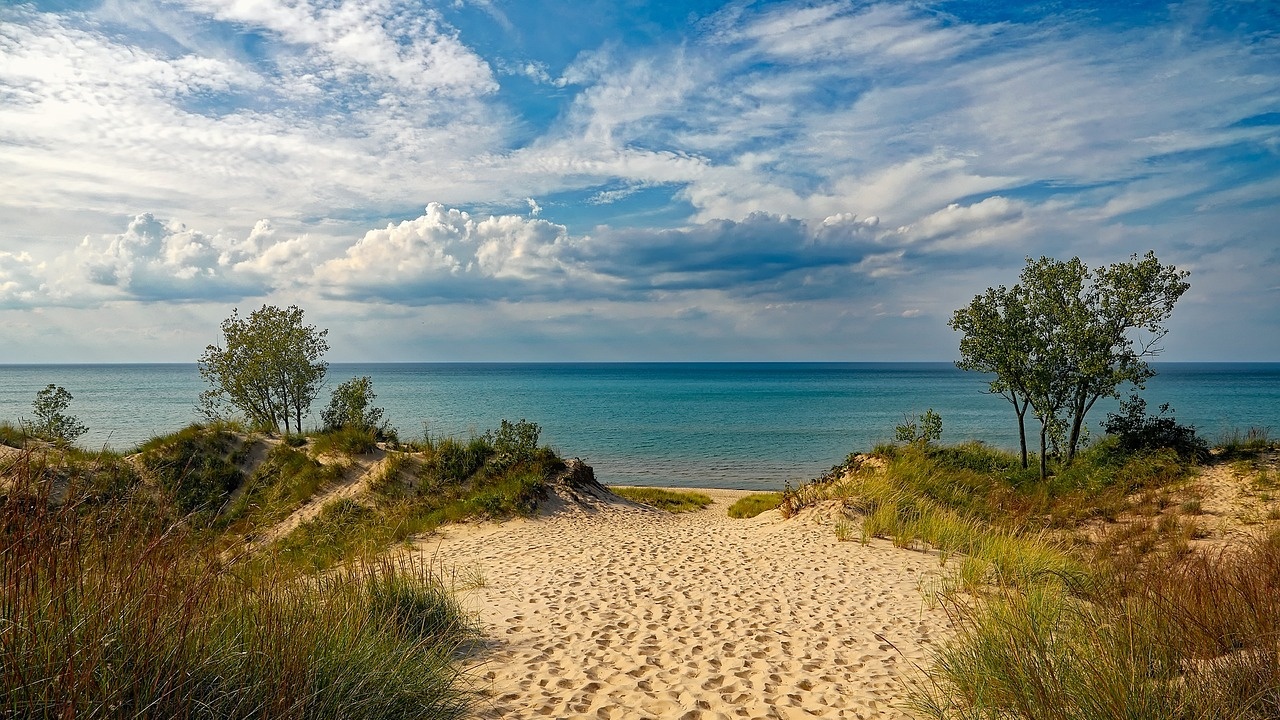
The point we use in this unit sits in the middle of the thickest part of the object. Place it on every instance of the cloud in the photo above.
(21, 283)
(447, 255)
(382, 41)
(762, 253)
(153, 260)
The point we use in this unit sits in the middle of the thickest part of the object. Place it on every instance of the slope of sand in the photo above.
(620, 611)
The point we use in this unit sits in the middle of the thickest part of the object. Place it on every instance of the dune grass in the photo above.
(1063, 609)
(111, 614)
(673, 501)
(1193, 638)
(1245, 443)
(749, 506)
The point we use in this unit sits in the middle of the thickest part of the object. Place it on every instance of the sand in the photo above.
(619, 611)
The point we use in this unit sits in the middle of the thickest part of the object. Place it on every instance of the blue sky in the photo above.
(626, 180)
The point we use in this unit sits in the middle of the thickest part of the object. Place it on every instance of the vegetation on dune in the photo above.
(752, 505)
(421, 486)
(110, 613)
(1081, 594)
(673, 501)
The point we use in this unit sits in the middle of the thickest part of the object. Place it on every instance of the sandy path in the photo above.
(627, 613)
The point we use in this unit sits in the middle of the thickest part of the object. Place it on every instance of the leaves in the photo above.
(269, 368)
(50, 422)
(1066, 336)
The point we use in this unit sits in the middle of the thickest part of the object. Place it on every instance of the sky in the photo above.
(622, 180)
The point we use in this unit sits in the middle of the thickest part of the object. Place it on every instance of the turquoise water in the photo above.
(735, 425)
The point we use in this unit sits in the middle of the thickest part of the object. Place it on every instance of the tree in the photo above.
(349, 407)
(997, 341)
(51, 422)
(1065, 337)
(269, 368)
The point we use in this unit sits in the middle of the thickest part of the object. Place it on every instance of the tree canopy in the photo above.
(1066, 336)
(268, 368)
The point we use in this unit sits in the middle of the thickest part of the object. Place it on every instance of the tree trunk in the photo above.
(1074, 440)
(1022, 430)
(1044, 449)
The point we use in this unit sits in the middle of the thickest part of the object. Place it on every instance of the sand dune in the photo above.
(618, 611)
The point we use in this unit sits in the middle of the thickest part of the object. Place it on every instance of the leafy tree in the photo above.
(997, 341)
(349, 406)
(269, 368)
(1065, 337)
(51, 423)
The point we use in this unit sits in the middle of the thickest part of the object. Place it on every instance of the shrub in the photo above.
(1139, 431)
(920, 428)
(749, 506)
(513, 443)
(350, 407)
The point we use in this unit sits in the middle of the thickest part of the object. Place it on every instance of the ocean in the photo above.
(730, 425)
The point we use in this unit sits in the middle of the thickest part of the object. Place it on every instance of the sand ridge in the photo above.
(617, 611)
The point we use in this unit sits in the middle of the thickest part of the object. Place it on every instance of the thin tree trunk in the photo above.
(1022, 430)
(1044, 466)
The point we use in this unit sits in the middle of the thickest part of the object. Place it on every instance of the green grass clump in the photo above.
(673, 501)
(12, 435)
(109, 614)
(347, 441)
(1237, 442)
(195, 467)
(749, 506)
(283, 482)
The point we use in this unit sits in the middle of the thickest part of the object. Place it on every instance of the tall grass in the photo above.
(107, 614)
(1235, 441)
(1129, 622)
(445, 480)
(672, 501)
(284, 481)
(1195, 638)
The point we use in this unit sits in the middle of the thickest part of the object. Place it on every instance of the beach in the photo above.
(602, 608)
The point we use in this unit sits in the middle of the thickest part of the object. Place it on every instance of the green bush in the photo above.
(350, 406)
(513, 443)
(1137, 431)
(51, 422)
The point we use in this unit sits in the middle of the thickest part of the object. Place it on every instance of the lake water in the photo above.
(733, 425)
